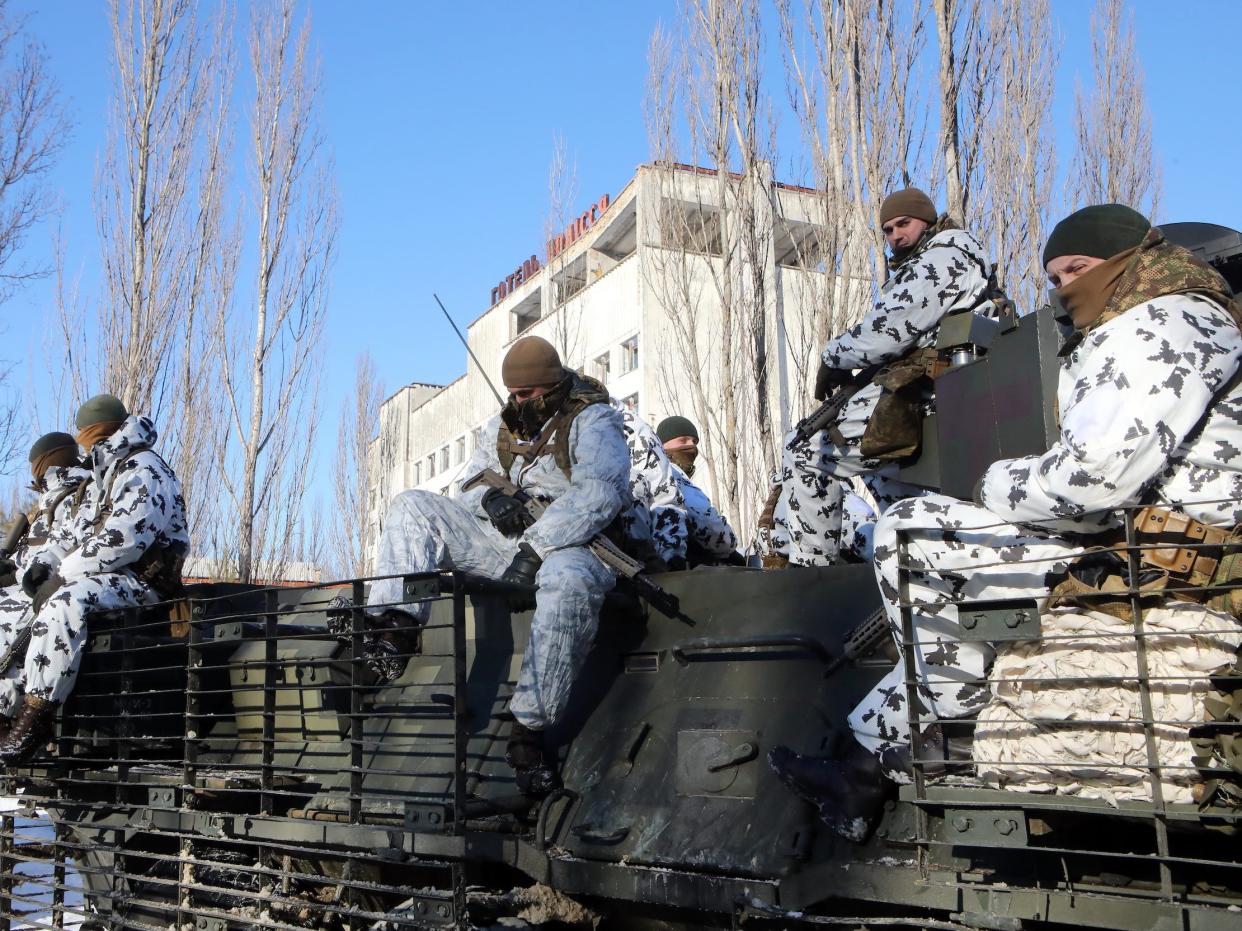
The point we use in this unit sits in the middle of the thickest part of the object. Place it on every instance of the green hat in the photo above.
(102, 408)
(1100, 231)
(672, 427)
(48, 442)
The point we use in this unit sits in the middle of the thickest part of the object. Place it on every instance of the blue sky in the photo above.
(442, 116)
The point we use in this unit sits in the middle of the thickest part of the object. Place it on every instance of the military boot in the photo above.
(848, 791)
(525, 753)
(31, 728)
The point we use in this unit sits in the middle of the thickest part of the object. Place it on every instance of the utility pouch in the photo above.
(895, 428)
(160, 568)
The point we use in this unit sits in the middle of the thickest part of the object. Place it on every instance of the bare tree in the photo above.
(155, 223)
(563, 283)
(159, 198)
(352, 478)
(1114, 161)
(852, 67)
(714, 268)
(970, 37)
(33, 129)
(1014, 190)
(272, 388)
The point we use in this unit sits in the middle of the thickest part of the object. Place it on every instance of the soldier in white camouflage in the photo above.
(56, 467)
(1150, 405)
(560, 440)
(128, 543)
(710, 539)
(659, 507)
(936, 269)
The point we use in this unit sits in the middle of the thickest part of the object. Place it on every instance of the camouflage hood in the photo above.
(135, 434)
(1159, 268)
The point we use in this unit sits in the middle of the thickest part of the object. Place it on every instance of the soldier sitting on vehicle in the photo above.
(126, 547)
(560, 440)
(56, 466)
(710, 538)
(936, 269)
(1150, 404)
(654, 523)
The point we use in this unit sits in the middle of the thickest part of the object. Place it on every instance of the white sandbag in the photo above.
(1051, 726)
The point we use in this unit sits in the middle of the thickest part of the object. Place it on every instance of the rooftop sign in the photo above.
(556, 245)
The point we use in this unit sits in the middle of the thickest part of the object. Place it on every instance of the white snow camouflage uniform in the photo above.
(52, 527)
(819, 521)
(1131, 397)
(132, 507)
(659, 511)
(425, 532)
(947, 273)
(711, 538)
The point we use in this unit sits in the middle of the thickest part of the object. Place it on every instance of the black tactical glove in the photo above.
(8, 571)
(506, 513)
(46, 591)
(522, 572)
(827, 379)
(35, 576)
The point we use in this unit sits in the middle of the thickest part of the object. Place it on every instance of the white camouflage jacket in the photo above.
(708, 529)
(51, 530)
(654, 487)
(579, 507)
(1132, 398)
(948, 274)
(146, 505)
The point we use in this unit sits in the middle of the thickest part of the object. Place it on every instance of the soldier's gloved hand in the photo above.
(8, 571)
(828, 379)
(45, 591)
(36, 575)
(506, 513)
(522, 572)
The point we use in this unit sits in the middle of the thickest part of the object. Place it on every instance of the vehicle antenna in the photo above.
(482, 371)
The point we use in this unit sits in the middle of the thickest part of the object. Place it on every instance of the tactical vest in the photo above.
(554, 437)
(159, 566)
(48, 514)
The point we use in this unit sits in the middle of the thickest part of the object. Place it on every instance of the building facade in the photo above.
(659, 294)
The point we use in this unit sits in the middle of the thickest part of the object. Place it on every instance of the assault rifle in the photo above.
(862, 640)
(827, 411)
(13, 536)
(608, 552)
(8, 546)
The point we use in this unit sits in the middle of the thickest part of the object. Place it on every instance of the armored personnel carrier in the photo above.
(243, 766)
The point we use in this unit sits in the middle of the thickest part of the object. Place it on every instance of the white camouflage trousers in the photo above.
(59, 633)
(426, 532)
(808, 527)
(956, 552)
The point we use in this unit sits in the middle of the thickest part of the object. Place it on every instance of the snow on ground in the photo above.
(32, 897)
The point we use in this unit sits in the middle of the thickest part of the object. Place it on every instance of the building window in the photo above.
(527, 313)
(418, 473)
(599, 368)
(444, 460)
(460, 451)
(629, 355)
(630, 403)
(431, 466)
